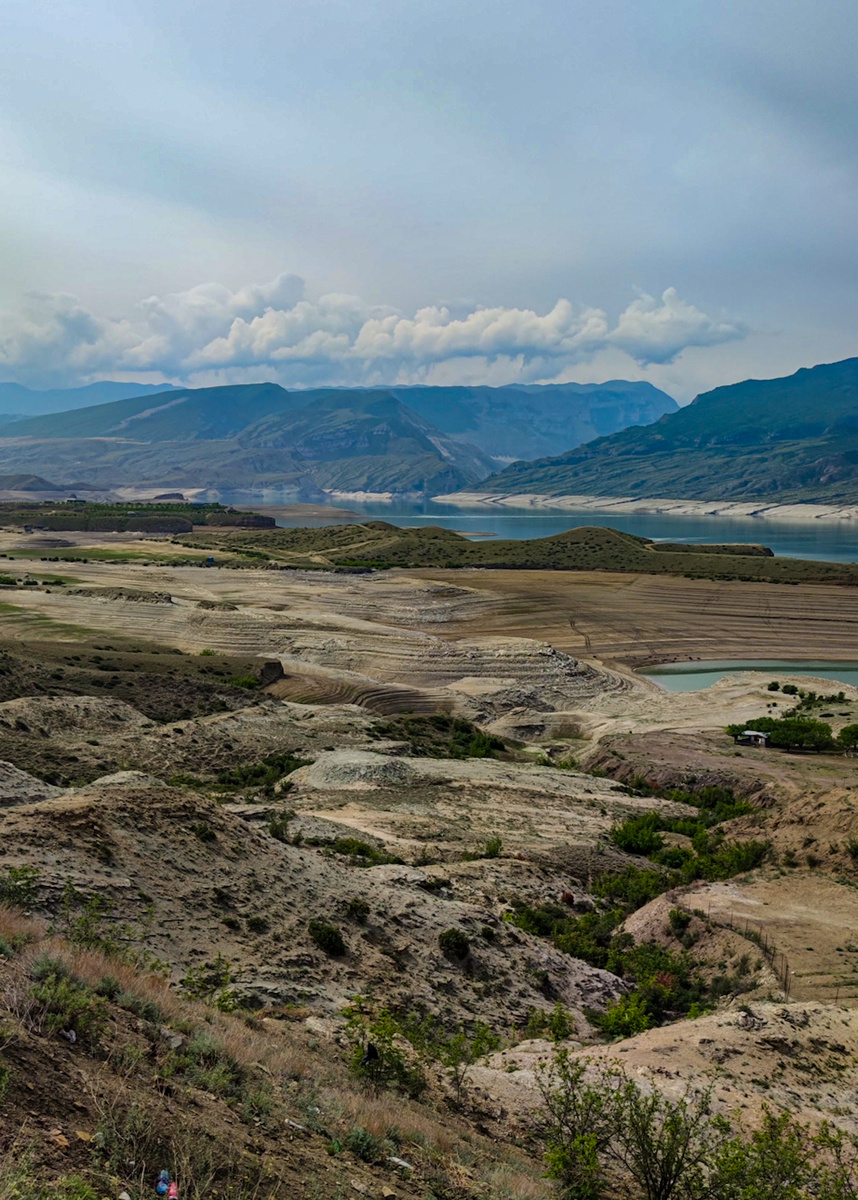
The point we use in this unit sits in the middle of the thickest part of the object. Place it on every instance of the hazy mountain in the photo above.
(20, 401)
(175, 415)
(245, 436)
(528, 421)
(791, 439)
(522, 421)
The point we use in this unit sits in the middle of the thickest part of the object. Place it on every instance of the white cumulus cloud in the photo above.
(274, 330)
(653, 331)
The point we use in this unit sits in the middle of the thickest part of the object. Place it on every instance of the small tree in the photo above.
(848, 738)
(774, 1164)
(580, 1123)
(458, 1053)
(664, 1145)
(378, 1056)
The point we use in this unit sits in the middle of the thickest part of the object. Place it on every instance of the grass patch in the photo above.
(439, 735)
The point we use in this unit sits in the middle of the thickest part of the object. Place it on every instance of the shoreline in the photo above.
(666, 507)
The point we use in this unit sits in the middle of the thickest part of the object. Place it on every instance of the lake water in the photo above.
(688, 677)
(832, 541)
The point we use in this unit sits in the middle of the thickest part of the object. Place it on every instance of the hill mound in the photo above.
(586, 548)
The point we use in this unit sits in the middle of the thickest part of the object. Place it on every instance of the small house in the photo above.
(752, 737)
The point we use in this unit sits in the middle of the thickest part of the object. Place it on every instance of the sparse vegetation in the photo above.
(440, 735)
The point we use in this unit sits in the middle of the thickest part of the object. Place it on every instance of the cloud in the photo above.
(650, 331)
(274, 330)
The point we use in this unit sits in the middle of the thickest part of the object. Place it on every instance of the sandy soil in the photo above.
(800, 1057)
(812, 919)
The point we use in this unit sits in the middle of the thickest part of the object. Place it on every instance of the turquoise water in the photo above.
(831, 541)
(688, 677)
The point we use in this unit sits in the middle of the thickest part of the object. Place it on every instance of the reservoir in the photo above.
(831, 541)
(689, 677)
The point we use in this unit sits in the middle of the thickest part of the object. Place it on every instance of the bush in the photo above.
(364, 1145)
(623, 1018)
(492, 849)
(18, 886)
(278, 826)
(679, 921)
(848, 737)
(210, 981)
(327, 937)
(67, 1004)
(639, 835)
(454, 944)
(109, 987)
(378, 1056)
(261, 776)
(774, 686)
(357, 909)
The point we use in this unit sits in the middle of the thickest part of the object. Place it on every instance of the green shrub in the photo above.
(848, 737)
(679, 921)
(774, 686)
(639, 835)
(357, 909)
(244, 681)
(378, 1056)
(365, 1145)
(18, 886)
(278, 826)
(454, 944)
(109, 987)
(204, 832)
(67, 1004)
(327, 937)
(623, 1017)
(257, 924)
(492, 849)
(211, 981)
(261, 776)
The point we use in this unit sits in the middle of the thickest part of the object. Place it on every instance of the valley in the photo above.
(251, 794)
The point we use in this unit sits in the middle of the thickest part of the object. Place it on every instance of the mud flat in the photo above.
(671, 507)
(642, 620)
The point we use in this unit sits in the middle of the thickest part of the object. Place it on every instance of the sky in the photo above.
(354, 192)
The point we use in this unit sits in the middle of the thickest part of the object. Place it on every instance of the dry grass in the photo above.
(304, 1081)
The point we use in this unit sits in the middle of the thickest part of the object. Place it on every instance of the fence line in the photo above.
(776, 959)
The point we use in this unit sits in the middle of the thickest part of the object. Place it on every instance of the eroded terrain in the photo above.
(446, 750)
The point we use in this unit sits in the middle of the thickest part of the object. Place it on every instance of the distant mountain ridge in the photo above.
(20, 401)
(793, 439)
(331, 438)
(530, 420)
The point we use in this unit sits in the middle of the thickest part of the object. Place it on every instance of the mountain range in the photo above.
(793, 439)
(422, 440)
